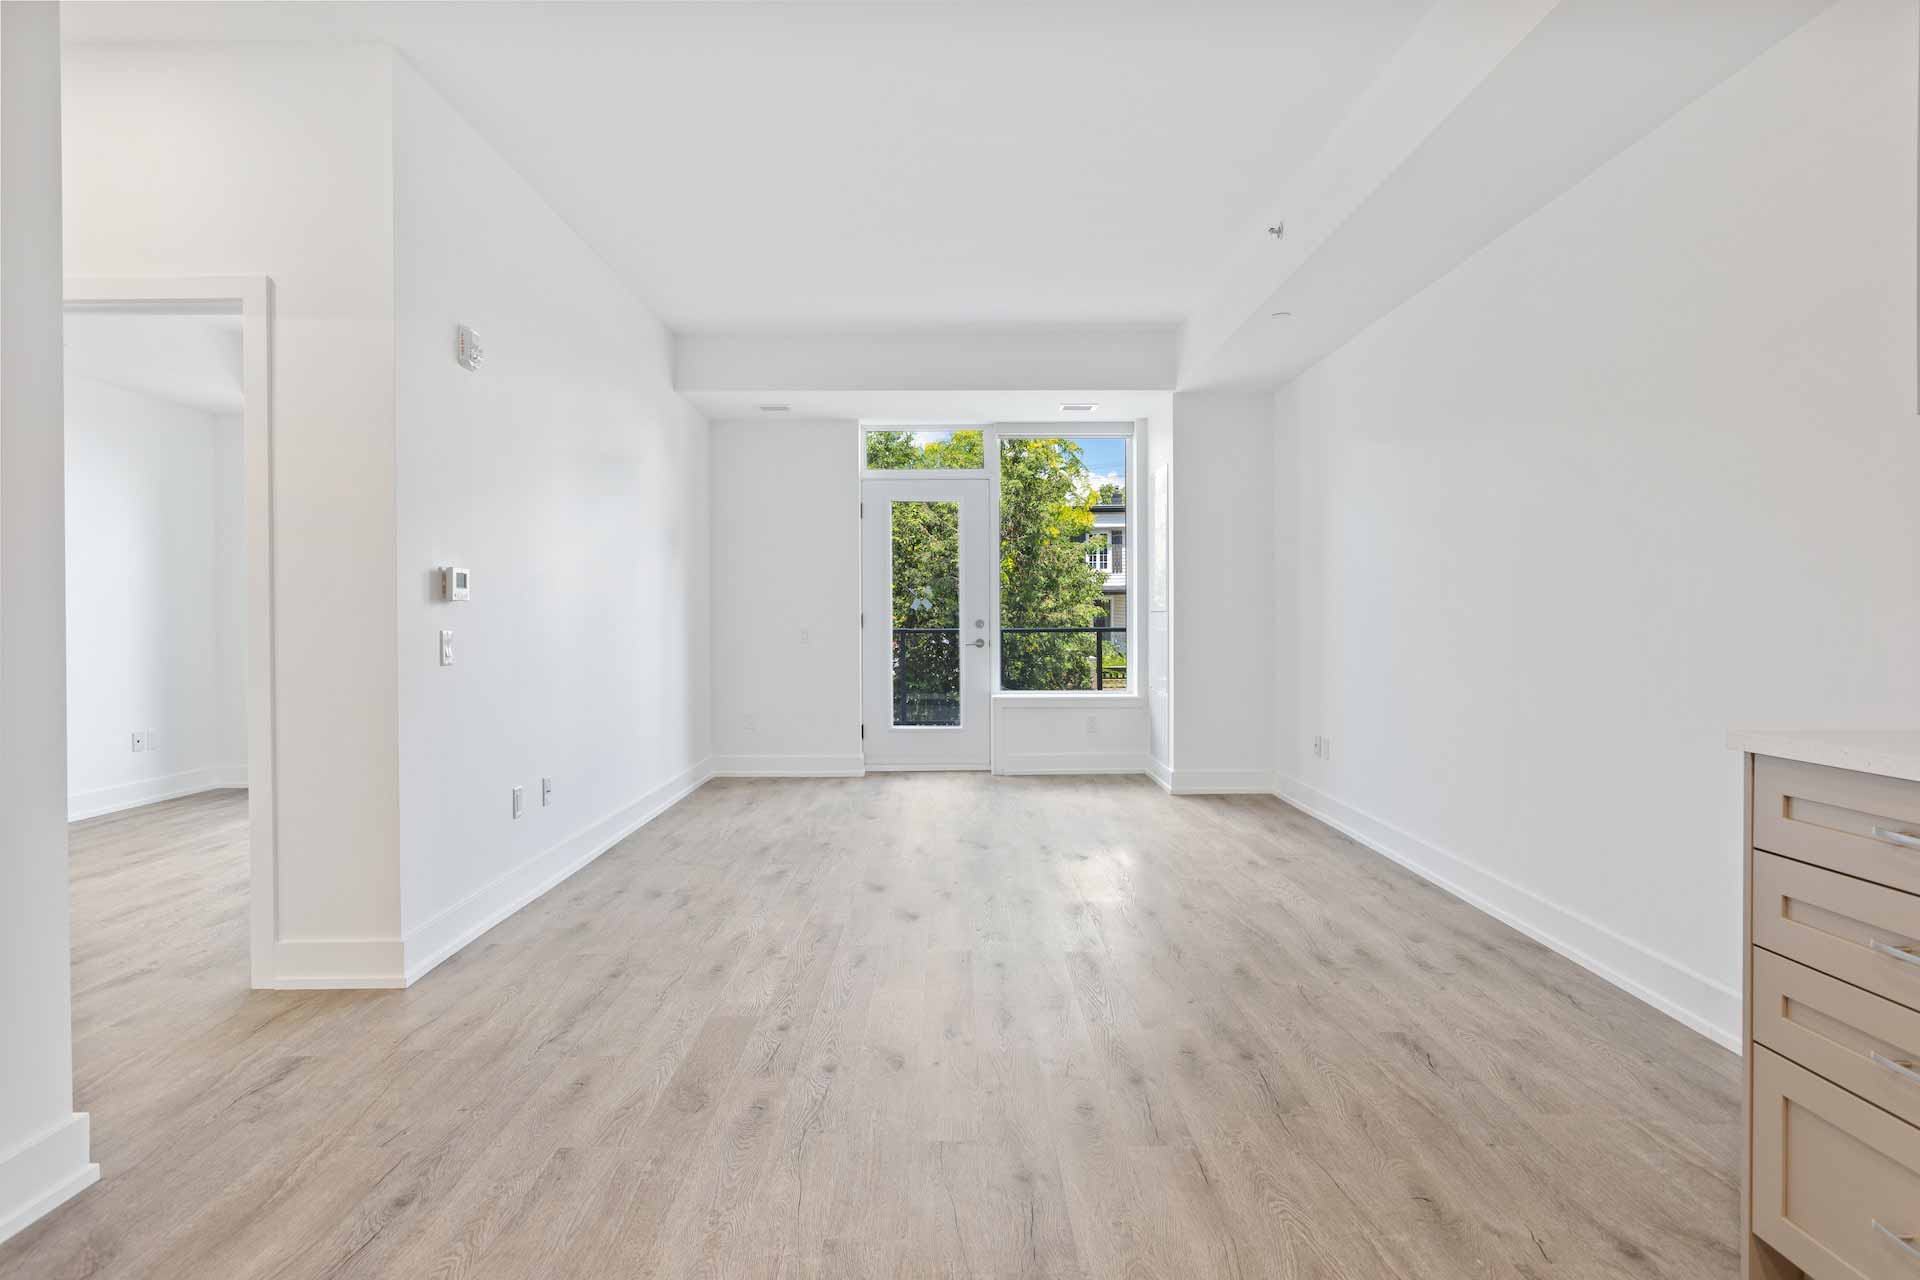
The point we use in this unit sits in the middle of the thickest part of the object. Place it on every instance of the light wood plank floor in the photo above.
(918, 1024)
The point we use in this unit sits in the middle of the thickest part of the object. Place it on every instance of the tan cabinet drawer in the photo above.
(1857, 823)
(1853, 1038)
(1865, 933)
(1836, 1181)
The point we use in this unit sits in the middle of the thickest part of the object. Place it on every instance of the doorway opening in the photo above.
(169, 646)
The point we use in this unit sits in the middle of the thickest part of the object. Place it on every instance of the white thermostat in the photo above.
(455, 584)
(466, 347)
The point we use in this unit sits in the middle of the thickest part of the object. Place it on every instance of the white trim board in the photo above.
(1691, 998)
(132, 795)
(803, 766)
(1210, 782)
(44, 1172)
(1018, 764)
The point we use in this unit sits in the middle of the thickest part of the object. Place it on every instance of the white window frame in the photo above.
(992, 433)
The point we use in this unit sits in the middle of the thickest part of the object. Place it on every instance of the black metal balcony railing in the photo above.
(1058, 659)
(926, 675)
(926, 666)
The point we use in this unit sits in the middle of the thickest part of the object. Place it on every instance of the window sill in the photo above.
(1082, 698)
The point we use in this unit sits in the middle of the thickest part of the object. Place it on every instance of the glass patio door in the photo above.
(926, 646)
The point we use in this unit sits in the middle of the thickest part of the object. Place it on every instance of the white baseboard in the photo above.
(131, 795)
(1160, 773)
(432, 942)
(789, 766)
(1216, 782)
(337, 964)
(1068, 762)
(44, 1172)
(1677, 991)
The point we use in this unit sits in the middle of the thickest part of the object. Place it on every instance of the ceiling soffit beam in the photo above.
(1492, 109)
(1453, 49)
(1119, 358)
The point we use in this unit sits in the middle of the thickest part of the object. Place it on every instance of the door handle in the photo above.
(978, 644)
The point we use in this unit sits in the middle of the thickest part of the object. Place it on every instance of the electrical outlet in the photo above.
(1093, 725)
(519, 800)
(750, 723)
(139, 739)
(546, 792)
(1317, 747)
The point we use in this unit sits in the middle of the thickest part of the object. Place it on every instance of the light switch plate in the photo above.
(446, 648)
(519, 800)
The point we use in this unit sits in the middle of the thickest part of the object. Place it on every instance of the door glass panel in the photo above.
(926, 613)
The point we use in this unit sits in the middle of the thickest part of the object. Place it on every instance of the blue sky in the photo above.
(1107, 459)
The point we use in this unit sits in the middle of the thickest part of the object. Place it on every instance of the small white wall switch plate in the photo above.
(446, 648)
(519, 800)
(139, 740)
(546, 792)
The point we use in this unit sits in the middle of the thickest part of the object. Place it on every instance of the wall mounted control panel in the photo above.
(455, 584)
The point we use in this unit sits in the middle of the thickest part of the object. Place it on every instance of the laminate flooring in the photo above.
(904, 1025)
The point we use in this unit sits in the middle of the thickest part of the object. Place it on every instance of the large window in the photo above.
(1063, 513)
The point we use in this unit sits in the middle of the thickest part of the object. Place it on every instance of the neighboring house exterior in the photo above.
(1111, 519)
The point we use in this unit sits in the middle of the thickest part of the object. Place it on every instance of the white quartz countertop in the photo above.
(1894, 753)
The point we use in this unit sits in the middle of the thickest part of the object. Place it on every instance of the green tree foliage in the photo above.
(1111, 495)
(1046, 529)
(1045, 580)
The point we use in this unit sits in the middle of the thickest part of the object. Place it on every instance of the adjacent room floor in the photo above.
(920, 1024)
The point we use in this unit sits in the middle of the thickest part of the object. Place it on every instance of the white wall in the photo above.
(572, 482)
(1640, 471)
(1069, 733)
(277, 160)
(786, 598)
(1223, 644)
(153, 642)
(44, 1157)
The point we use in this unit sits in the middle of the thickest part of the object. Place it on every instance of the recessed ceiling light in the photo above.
(1078, 408)
(775, 408)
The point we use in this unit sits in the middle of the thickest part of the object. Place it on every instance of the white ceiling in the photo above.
(191, 360)
(816, 166)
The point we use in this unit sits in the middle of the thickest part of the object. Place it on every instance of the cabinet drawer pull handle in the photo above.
(1888, 949)
(1905, 1242)
(1901, 838)
(1898, 1068)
